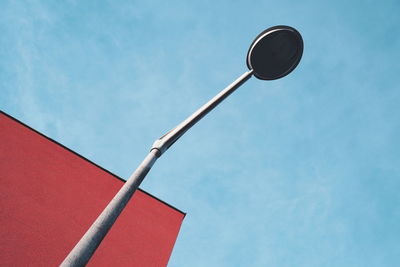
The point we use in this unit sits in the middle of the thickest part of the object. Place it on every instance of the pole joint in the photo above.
(167, 140)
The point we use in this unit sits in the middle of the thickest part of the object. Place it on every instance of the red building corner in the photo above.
(50, 195)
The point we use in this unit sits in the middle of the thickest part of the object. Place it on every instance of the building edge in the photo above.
(87, 160)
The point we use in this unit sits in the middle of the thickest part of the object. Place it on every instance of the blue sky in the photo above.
(302, 171)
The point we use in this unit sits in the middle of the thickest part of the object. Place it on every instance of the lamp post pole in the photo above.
(84, 249)
(87, 245)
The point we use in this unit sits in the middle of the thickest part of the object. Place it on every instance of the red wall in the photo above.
(49, 196)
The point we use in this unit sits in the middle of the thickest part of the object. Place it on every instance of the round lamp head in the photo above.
(275, 52)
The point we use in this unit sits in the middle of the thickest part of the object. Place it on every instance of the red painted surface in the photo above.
(49, 196)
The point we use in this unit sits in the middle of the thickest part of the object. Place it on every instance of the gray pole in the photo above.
(84, 249)
(272, 55)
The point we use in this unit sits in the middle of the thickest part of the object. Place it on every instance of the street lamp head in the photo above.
(275, 52)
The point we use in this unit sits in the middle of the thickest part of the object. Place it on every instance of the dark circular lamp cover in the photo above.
(275, 52)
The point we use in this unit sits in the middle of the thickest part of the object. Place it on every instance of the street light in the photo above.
(273, 54)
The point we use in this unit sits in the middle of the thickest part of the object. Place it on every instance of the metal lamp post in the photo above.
(273, 54)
